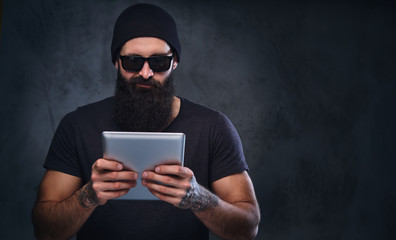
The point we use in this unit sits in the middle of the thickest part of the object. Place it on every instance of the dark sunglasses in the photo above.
(156, 63)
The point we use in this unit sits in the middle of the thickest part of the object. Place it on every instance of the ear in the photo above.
(174, 66)
(175, 63)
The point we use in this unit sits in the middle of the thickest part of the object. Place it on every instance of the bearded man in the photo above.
(211, 192)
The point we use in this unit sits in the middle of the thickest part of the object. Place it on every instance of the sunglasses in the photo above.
(156, 63)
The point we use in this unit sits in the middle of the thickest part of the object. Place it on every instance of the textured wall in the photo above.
(310, 88)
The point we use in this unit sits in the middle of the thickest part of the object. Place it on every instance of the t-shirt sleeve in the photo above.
(62, 155)
(227, 155)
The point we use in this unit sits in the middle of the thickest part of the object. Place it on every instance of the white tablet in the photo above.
(143, 151)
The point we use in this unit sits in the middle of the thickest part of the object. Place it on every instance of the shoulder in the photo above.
(203, 113)
(96, 107)
(205, 117)
(99, 107)
(96, 110)
(192, 109)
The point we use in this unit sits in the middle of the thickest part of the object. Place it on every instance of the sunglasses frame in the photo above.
(143, 60)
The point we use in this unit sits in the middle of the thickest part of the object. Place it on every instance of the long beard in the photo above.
(143, 110)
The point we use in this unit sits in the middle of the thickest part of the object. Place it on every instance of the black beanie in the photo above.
(144, 20)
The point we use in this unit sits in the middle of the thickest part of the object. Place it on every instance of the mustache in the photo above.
(140, 80)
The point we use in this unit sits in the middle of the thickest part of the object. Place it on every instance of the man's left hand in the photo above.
(170, 183)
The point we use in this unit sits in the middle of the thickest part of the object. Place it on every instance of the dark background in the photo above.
(310, 87)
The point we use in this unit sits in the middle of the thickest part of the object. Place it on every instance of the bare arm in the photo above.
(57, 213)
(237, 215)
(231, 212)
(63, 205)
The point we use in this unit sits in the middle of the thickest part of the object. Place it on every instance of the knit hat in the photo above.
(144, 20)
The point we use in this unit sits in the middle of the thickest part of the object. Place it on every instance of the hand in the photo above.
(109, 179)
(177, 185)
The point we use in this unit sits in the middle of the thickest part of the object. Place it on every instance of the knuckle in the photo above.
(167, 180)
(94, 177)
(181, 170)
(189, 173)
(186, 185)
(162, 189)
(116, 185)
(113, 175)
(186, 171)
(181, 194)
(98, 163)
(95, 186)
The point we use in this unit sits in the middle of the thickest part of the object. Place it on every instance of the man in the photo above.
(212, 191)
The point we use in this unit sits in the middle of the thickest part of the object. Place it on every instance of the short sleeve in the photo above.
(227, 155)
(62, 155)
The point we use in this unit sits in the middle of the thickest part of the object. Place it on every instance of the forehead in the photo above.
(145, 46)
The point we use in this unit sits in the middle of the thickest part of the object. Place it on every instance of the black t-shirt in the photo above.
(213, 150)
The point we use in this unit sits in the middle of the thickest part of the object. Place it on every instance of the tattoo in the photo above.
(198, 198)
(87, 196)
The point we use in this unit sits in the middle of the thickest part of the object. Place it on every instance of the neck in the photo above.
(175, 108)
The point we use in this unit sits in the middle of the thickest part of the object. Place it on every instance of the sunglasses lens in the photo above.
(160, 64)
(132, 63)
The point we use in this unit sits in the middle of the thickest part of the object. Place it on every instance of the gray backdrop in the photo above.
(309, 86)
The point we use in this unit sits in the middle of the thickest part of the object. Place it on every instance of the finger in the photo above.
(170, 180)
(113, 186)
(165, 190)
(107, 195)
(104, 164)
(119, 176)
(167, 198)
(174, 170)
(113, 176)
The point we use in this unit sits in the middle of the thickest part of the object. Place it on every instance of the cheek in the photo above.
(161, 76)
(127, 75)
(164, 75)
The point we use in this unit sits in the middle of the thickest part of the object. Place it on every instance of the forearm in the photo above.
(60, 219)
(229, 221)
(235, 217)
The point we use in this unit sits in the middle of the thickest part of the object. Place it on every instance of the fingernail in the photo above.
(157, 169)
(135, 176)
(119, 166)
(144, 174)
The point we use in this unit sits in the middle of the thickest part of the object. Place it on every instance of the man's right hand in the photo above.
(109, 180)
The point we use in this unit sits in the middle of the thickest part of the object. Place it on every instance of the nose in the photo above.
(146, 71)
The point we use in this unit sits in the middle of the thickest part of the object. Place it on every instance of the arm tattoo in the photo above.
(198, 198)
(87, 196)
